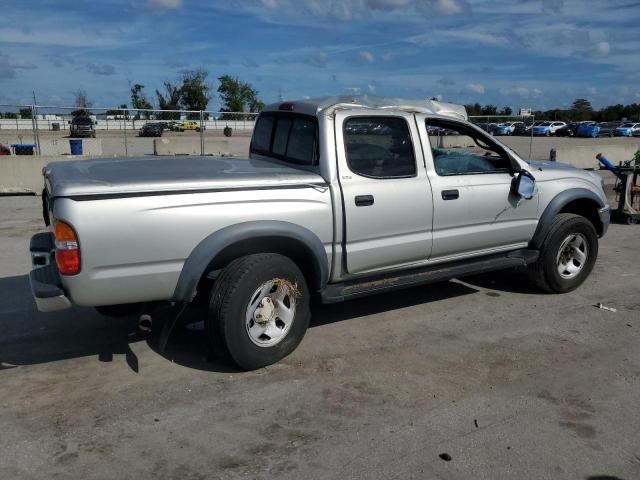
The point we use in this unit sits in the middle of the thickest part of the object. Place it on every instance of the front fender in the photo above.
(556, 205)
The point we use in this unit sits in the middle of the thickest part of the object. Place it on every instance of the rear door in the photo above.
(386, 194)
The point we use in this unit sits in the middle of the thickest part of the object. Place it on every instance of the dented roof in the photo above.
(329, 105)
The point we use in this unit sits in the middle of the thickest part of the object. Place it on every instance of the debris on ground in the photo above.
(475, 422)
(604, 307)
(445, 456)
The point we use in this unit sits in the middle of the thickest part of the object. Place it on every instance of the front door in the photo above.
(387, 198)
(474, 210)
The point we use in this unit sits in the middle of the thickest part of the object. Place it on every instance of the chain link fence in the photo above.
(104, 131)
(507, 126)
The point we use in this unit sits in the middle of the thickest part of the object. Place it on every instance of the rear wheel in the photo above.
(567, 254)
(259, 310)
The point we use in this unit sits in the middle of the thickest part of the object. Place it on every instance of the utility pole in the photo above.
(36, 129)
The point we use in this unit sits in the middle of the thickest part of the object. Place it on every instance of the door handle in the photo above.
(450, 194)
(364, 200)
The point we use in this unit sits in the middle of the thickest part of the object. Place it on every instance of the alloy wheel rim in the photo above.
(572, 255)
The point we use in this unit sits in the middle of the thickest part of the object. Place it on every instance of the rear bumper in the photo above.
(46, 285)
(605, 218)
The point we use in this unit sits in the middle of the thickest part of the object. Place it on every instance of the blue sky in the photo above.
(536, 53)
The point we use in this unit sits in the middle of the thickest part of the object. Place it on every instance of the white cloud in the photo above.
(592, 91)
(601, 49)
(473, 88)
(318, 59)
(363, 57)
(449, 7)
(346, 10)
(521, 91)
(165, 4)
(372, 88)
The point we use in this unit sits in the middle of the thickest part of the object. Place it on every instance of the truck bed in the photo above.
(149, 175)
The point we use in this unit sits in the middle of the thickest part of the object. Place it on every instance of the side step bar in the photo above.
(339, 292)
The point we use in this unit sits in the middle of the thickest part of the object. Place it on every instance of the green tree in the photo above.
(473, 109)
(139, 101)
(82, 104)
(506, 111)
(194, 92)
(238, 96)
(11, 115)
(170, 100)
(489, 110)
(26, 113)
(581, 109)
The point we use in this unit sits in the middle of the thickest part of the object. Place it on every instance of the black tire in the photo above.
(230, 299)
(544, 272)
(122, 310)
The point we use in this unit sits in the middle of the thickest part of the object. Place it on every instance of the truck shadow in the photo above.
(28, 337)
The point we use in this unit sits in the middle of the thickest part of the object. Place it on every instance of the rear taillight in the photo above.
(67, 249)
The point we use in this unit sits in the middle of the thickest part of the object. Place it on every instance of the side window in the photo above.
(287, 137)
(460, 150)
(379, 147)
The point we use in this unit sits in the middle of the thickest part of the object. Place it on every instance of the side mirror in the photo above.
(524, 185)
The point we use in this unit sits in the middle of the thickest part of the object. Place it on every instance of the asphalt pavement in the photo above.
(484, 378)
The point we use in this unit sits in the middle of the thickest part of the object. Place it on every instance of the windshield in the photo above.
(83, 121)
(628, 125)
(545, 124)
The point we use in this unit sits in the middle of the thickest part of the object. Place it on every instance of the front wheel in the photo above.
(259, 310)
(567, 254)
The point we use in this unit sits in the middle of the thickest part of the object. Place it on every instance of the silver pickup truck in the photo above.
(339, 198)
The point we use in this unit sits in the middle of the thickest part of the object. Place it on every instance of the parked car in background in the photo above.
(82, 127)
(189, 126)
(569, 130)
(627, 129)
(547, 128)
(507, 128)
(4, 150)
(168, 126)
(595, 130)
(151, 130)
(488, 127)
(522, 129)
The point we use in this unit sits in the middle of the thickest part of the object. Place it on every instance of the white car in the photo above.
(548, 128)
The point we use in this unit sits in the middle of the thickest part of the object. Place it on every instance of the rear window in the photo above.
(288, 137)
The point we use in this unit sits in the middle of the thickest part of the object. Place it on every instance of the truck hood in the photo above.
(543, 171)
(151, 175)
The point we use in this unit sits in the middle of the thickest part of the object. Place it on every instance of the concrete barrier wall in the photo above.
(583, 156)
(23, 173)
(237, 146)
(90, 146)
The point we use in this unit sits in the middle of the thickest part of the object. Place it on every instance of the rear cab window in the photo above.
(289, 137)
